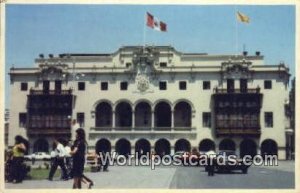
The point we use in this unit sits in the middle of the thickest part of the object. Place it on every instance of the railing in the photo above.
(42, 131)
(222, 131)
(134, 129)
(50, 92)
(237, 91)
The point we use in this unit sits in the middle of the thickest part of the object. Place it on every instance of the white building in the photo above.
(153, 99)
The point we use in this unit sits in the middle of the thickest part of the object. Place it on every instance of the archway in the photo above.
(162, 147)
(103, 115)
(41, 145)
(206, 145)
(142, 147)
(269, 147)
(123, 115)
(182, 145)
(162, 113)
(123, 147)
(143, 115)
(182, 115)
(248, 147)
(103, 145)
(227, 144)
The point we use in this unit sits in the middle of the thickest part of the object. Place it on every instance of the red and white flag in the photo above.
(155, 23)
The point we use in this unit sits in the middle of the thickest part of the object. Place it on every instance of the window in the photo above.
(206, 85)
(243, 85)
(104, 85)
(81, 85)
(58, 86)
(206, 119)
(22, 119)
(80, 119)
(268, 119)
(162, 85)
(128, 64)
(268, 84)
(24, 86)
(230, 85)
(46, 86)
(123, 85)
(182, 85)
(163, 64)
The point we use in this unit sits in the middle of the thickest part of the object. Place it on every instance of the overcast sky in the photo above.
(35, 29)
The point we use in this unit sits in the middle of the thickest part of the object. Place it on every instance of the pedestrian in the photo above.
(78, 155)
(210, 167)
(68, 158)
(17, 160)
(74, 127)
(58, 161)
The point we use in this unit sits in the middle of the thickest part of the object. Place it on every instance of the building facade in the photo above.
(153, 98)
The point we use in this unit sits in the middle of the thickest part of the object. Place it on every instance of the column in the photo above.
(172, 119)
(152, 119)
(113, 119)
(133, 119)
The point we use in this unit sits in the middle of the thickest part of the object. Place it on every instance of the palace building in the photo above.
(153, 98)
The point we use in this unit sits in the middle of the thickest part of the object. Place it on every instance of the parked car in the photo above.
(38, 156)
(230, 163)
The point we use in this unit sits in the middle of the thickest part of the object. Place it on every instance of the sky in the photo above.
(54, 29)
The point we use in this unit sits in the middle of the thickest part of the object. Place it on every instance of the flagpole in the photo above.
(236, 31)
(144, 33)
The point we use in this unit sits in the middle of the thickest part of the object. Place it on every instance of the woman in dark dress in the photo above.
(78, 154)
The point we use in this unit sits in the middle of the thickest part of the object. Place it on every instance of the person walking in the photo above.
(58, 161)
(17, 160)
(78, 155)
(211, 155)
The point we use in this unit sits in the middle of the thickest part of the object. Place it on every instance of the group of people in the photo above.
(62, 156)
(15, 169)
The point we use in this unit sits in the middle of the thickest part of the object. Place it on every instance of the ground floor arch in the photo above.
(41, 145)
(206, 145)
(269, 147)
(142, 147)
(227, 144)
(162, 147)
(182, 145)
(103, 145)
(248, 147)
(123, 147)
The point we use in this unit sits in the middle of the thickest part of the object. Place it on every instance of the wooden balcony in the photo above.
(40, 131)
(140, 129)
(253, 132)
(50, 92)
(237, 91)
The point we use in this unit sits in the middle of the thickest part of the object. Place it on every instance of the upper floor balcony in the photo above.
(237, 91)
(50, 92)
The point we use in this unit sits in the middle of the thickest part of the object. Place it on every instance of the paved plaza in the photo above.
(179, 177)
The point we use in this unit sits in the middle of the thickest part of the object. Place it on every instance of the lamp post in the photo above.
(75, 76)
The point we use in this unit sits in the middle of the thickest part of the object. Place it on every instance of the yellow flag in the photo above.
(242, 17)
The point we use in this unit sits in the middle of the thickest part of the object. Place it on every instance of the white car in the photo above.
(38, 156)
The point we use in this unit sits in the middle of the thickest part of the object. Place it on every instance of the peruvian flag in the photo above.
(155, 23)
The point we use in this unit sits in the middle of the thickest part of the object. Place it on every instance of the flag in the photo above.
(155, 23)
(242, 17)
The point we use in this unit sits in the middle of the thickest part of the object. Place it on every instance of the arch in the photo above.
(103, 145)
(248, 147)
(123, 115)
(123, 147)
(227, 144)
(142, 147)
(103, 115)
(185, 101)
(102, 101)
(162, 114)
(269, 147)
(41, 145)
(143, 101)
(182, 145)
(182, 114)
(162, 147)
(206, 145)
(143, 115)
